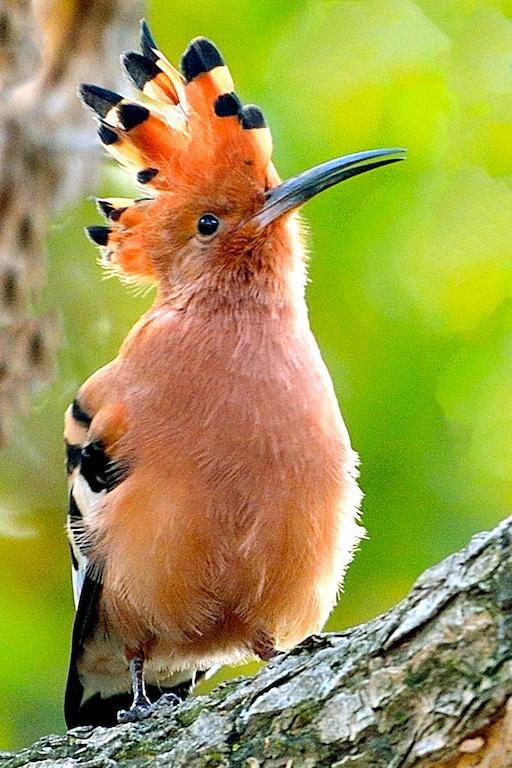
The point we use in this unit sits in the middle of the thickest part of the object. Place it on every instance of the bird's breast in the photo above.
(237, 401)
(242, 475)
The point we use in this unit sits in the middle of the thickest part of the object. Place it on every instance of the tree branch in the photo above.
(424, 685)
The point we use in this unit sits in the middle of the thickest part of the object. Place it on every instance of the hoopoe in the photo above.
(213, 504)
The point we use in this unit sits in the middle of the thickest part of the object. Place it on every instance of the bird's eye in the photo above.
(207, 224)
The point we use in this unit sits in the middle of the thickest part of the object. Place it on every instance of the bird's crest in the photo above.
(188, 121)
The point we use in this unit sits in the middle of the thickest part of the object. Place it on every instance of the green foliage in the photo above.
(410, 296)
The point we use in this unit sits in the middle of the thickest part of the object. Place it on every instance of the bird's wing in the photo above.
(91, 474)
(94, 471)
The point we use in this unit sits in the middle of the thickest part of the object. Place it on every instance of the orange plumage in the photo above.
(213, 499)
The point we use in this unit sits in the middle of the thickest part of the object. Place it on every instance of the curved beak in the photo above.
(297, 190)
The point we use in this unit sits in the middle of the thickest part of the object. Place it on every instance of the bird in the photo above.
(213, 497)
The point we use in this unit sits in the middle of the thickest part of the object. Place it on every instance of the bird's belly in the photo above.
(240, 514)
(238, 544)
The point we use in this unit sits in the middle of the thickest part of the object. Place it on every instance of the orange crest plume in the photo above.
(190, 122)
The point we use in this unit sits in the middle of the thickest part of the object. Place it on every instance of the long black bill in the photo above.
(297, 190)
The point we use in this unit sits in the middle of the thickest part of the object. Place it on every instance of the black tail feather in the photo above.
(97, 710)
(85, 621)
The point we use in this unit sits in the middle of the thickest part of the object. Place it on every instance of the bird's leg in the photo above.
(141, 706)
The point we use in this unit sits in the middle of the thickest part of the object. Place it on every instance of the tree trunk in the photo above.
(426, 684)
(49, 158)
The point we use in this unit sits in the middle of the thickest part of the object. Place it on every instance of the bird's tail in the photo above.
(101, 708)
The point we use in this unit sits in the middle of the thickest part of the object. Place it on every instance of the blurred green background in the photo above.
(410, 297)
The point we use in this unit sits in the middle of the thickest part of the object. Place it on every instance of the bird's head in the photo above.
(215, 215)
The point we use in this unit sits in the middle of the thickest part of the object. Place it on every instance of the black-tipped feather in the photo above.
(98, 235)
(131, 115)
(112, 212)
(147, 175)
(107, 135)
(139, 68)
(117, 213)
(227, 105)
(200, 56)
(83, 627)
(105, 208)
(147, 41)
(101, 100)
(252, 117)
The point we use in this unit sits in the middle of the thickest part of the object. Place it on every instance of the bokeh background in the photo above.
(410, 297)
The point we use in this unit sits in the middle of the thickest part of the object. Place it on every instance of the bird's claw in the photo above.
(168, 700)
(145, 708)
(137, 712)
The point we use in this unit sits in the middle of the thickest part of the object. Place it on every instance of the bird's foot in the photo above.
(168, 700)
(144, 708)
(139, 710)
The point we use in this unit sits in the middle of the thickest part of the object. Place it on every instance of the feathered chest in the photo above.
(258, 387)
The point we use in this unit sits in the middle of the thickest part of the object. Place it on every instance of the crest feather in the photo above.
(200, 57)
(187, 122)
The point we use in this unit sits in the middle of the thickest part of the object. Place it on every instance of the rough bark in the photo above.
(426, 684)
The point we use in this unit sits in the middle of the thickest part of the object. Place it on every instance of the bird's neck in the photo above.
(269, 278)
